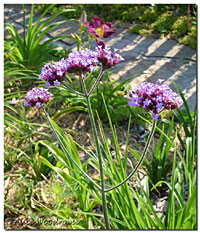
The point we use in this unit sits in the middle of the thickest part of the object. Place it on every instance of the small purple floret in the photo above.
(154, 116)
(54, 73)
(154, 98)
(81, 61)
(36, 97)
(107, 57)
(38, 104)
(56, 83)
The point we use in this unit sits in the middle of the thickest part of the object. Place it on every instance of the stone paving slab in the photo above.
(152, 47)
(150, 58)
(66, 29)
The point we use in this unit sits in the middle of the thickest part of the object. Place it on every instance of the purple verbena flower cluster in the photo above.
(154, 98)
(107, 57)
(54, 73)
(81, 61)
(36, 97)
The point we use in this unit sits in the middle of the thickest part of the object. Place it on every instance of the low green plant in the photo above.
(180, 26)
(159, 165)
(138, 29)
(186, 118)
(189, 143)
(190, 39)
(115, 176)
(19, 133)
(81, 187)
(48, 203)
(16, 77)
(164, 22)
(149, 16)
(40, 8)
(134, 214)
(14, 127)
(26, 51)
(183, 214)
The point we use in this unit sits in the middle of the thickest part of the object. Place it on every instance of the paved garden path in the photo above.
(148, 57)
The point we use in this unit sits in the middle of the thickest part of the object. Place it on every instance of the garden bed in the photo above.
(83, 151)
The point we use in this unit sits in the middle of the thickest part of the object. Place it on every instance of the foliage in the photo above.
(16, 74)
(135, 214)
(74, 198)
(130, 206)
(187, 118)
(182, 215)
(55, 208)
(180, 26)
(159, 165)
(70, 173)
(164, 22)
(19, 133)
(26, 51)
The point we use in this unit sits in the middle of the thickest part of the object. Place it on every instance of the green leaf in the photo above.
(60, 171)
(15, 36)
(67, 110)
(185, 103)
(30, 30)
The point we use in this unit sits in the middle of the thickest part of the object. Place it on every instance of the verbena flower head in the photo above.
(107, 57)
(36, 97)
(154, 98)
(54, 73)
(98, 28)
(81, 61)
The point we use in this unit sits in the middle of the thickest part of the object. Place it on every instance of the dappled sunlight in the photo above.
(154, 47)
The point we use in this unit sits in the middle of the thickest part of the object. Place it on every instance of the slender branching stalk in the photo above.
(96, 82)
(102, 189)
(71, 89)
(140, 161)
(99, 154)
(66, 151)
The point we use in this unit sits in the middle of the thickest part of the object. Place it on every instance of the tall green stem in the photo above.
(66, 151)
(141, 158)
(96, 82)
(71, 89)
(105, 209)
